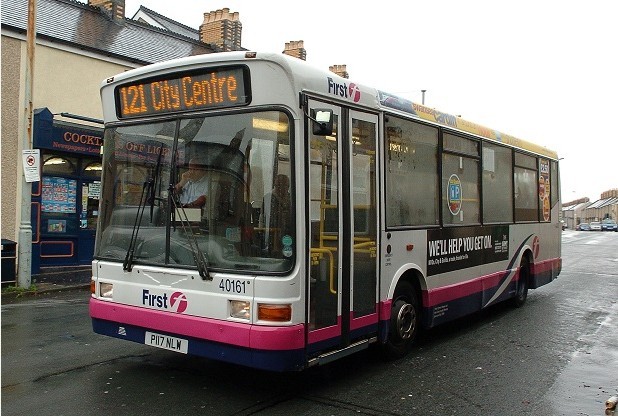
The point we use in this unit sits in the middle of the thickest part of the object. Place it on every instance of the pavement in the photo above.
(51, 279)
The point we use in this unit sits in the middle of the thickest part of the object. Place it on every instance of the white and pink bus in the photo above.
(259, 211)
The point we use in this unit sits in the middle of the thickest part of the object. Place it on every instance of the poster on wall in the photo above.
(57, 226)
(59, 195)
(94, 190)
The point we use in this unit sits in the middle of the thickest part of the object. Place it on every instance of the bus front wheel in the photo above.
(404, 322)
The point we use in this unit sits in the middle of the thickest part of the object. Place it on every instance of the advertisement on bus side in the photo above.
(456, 248)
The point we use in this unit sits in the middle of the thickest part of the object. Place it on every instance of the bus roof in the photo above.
(458, 123)
(328, 84)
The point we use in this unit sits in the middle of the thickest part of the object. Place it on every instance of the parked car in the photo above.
(584, 226)
(595, 226)
(609, 225)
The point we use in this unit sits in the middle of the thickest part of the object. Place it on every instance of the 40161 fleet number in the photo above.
(234, 286)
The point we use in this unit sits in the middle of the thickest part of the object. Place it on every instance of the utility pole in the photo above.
(24, 265)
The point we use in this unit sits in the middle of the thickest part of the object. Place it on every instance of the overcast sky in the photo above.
(541, 70)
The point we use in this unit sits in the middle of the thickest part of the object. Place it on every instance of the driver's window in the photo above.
(134, 198)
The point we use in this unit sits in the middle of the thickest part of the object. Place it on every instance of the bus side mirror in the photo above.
(322, 122)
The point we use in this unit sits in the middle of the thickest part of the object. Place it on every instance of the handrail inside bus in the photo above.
(331, 266)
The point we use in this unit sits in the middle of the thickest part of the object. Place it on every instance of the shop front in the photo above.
(65, 202)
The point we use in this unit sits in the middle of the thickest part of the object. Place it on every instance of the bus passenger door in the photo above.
(343, 228)
(325, 222)
(360, 234)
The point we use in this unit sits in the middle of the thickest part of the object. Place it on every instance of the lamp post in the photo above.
(24, 260)
(423, 97)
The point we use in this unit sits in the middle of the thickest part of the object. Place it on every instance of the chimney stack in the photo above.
(113, 7)
(296, 49)
(223, 29)
(339, 70)
(612, 193)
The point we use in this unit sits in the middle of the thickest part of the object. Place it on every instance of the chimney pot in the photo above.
(113, 7)
(222, 28)
(296, 48)
(340, 70)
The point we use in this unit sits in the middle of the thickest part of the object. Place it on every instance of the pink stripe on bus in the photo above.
(444, 294)
(460, 290)
(384, 309)
(325, 333)
(243, 335)
(362, 321)
(544, 266)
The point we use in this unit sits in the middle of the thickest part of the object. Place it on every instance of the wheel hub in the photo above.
(406, 321)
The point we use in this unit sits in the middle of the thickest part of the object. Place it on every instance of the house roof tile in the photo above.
(78, 24)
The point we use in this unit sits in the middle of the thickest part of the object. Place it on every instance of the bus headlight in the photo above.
(106, 290)
(240, 309)
(274, 313)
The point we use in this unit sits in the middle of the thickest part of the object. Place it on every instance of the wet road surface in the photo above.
(557, 355)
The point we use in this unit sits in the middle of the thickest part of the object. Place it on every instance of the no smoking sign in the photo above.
(32, 164)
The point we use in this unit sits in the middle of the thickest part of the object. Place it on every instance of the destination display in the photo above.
(211, 88)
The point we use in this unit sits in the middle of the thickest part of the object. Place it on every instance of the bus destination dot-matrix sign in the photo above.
(213, 88)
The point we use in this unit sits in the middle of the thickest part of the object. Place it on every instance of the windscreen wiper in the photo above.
(198, 255)
(155, 177)
(128, 260)
(148, 193)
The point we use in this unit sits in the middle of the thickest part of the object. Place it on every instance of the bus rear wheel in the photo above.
(404, 322)
(522, 284)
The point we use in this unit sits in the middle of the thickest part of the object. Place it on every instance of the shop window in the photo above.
(59, 195)
(58, 165)
(93, 169)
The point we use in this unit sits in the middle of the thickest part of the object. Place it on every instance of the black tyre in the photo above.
(522, 285)
(404, 323)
